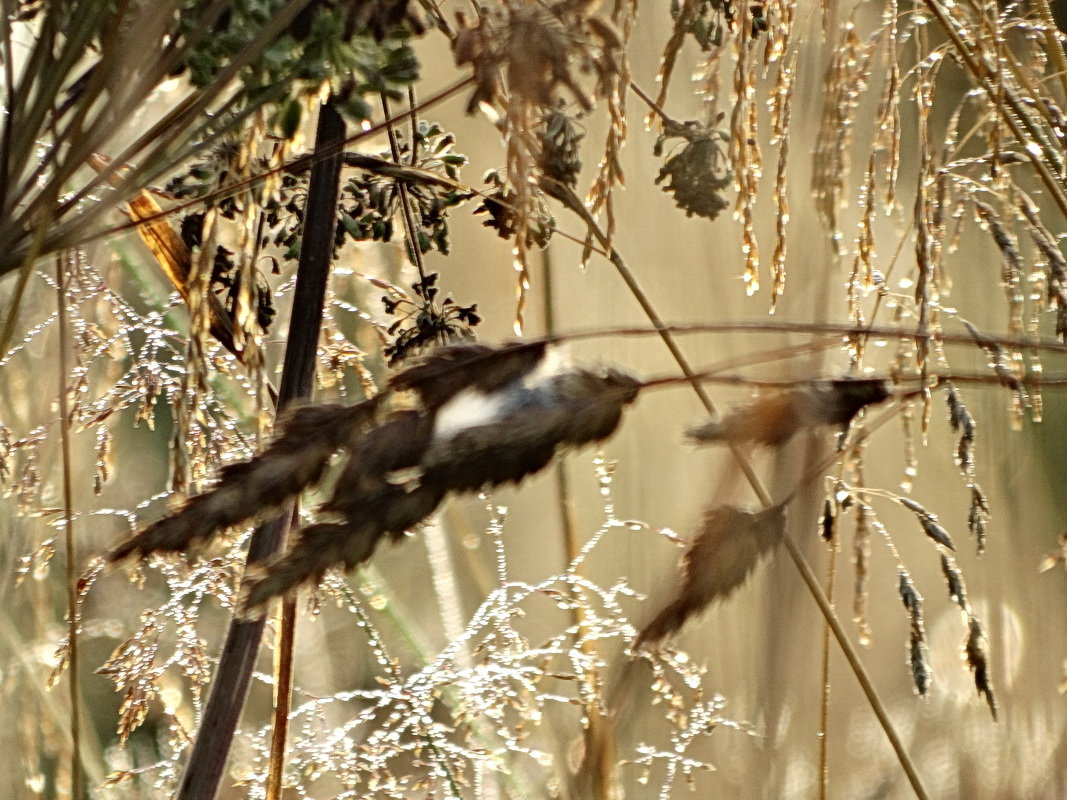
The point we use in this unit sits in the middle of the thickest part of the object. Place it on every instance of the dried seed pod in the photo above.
(775, 418)
(977, 660)
(930, 523)
(957, 591)
(729, 544)
(449, 370)
(918, 653)
(500, 427)
(295, 460)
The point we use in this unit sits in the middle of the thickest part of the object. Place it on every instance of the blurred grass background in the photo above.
(761, 649)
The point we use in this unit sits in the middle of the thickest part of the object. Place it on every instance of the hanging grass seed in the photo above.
(728, 546)
(775, 418)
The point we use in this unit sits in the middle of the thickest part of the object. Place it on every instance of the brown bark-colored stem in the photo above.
(230, 688)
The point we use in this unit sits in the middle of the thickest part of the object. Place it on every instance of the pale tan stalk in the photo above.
(801, 563)
(77, 779)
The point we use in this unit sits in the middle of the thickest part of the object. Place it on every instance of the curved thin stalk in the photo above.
(811, 581)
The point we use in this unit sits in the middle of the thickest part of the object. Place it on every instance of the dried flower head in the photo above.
(698, 173)
(528, 50)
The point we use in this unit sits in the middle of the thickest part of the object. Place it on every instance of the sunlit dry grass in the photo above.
(894, 171)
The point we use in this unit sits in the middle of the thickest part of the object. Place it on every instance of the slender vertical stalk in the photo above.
(230, 687)
(9, 93)
(77, 780)
(284, 648)
(597, 770)
(824, 701)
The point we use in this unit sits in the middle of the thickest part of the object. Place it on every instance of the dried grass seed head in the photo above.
(531, 51)
(774, 418)
(729, 544)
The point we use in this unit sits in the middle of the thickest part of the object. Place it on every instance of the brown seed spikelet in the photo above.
(775, 418)
(372, 496)
(727, 548)
(295, 460)
(449, 370)
(975, 651)
(573, 408)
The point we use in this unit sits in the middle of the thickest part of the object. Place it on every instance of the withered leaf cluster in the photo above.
(728, 546)
(774, 418)
(486, 416)
(698, 172)
(533, 50)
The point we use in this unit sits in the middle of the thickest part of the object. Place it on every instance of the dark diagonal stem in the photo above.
(230, 688)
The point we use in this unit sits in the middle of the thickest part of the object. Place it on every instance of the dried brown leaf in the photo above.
(729, 544)
(173, 255)
(295, 460)
(773, 419)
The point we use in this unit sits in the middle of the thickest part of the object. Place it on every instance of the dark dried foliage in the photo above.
(828, 521)
(499, 206)
(376, 498)
(423, 323)
(296, 460)
(560, 152)
(697, 174)
(729, 544)
(775, 418)
(977, 660)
